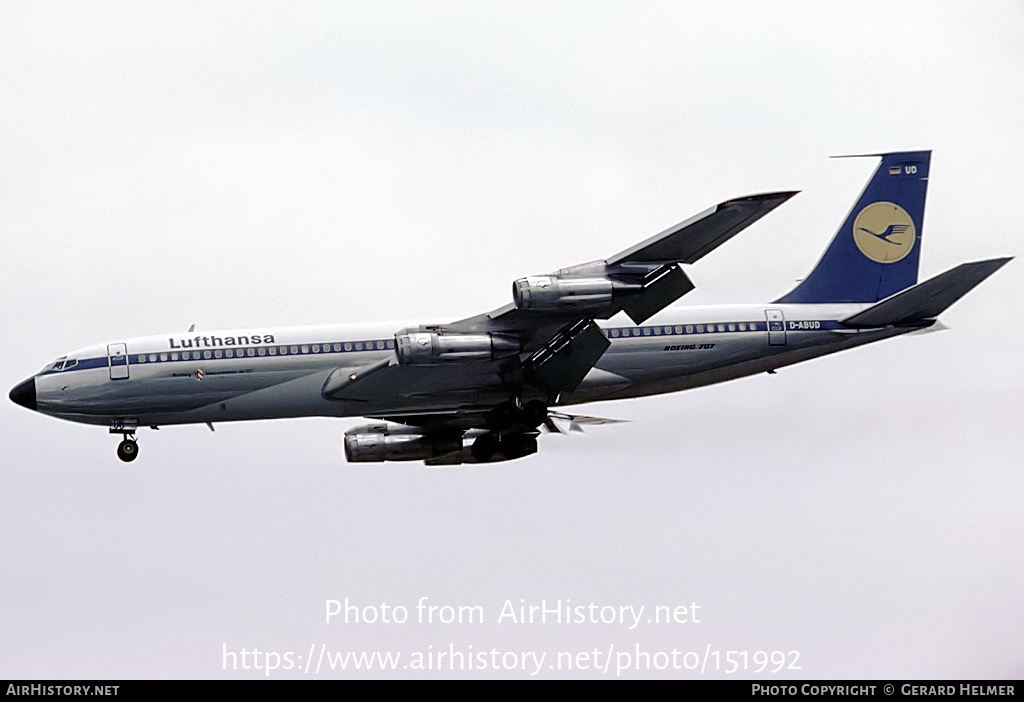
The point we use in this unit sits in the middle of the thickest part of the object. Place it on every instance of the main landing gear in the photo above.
(517, 417)
(510, 446)
(513, 431)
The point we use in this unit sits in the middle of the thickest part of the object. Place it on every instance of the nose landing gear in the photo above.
(128, 450)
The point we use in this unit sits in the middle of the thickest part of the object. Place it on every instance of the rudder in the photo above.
(875, 253)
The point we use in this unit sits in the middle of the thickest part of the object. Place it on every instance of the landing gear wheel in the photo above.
(504, 415)
(128, 450)
(484, 448)
(518, 445)
(535, 413)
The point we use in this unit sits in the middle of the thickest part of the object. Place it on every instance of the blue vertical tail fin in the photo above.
(876, 250)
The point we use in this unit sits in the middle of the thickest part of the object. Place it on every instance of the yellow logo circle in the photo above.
(884, 232)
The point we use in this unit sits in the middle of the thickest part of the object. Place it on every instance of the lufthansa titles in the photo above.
(212, 341)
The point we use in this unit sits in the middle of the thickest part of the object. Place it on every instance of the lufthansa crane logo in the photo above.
(884, 232)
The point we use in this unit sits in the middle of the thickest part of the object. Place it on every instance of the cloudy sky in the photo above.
(255, 164)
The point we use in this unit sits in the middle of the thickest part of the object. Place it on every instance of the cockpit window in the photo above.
(62, 363)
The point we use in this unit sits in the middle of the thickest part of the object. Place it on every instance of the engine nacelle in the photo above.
(376, 443)
(552, 292)
(479, 446)
(415, 346)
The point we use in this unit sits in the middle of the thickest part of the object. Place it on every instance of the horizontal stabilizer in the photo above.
(928, 299)
(688, 241)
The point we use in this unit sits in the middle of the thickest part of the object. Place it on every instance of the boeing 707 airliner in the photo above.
(479, 390)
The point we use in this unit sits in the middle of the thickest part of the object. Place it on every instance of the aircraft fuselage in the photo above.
(480, 389)
(233, 375)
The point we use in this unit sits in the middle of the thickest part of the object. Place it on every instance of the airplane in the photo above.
(479, 390)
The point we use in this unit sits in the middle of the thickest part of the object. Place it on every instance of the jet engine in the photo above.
(377, 443)
(553, 292)
(418, 346)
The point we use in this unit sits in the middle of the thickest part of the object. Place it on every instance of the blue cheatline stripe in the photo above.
(792, 325)
(685, 329)
(268, 351)
(342, 347)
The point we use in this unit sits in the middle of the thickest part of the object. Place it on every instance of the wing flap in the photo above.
(563, 363)
(666, 285)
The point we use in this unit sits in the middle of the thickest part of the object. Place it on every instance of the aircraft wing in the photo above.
(689, 241)
(652, 263)
(547, 340)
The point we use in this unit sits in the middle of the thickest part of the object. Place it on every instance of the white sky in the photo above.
(257, 164)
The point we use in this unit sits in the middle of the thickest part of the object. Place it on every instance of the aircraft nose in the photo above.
(24, 394)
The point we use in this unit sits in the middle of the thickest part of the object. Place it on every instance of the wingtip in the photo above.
(778, 197)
